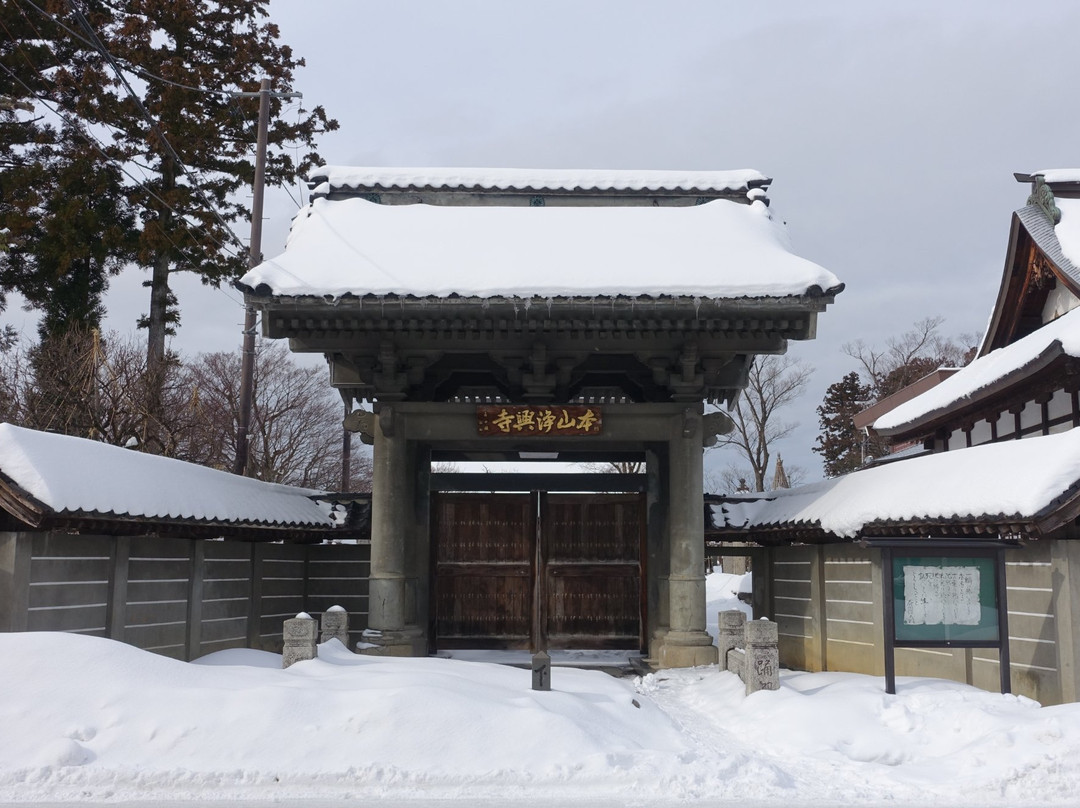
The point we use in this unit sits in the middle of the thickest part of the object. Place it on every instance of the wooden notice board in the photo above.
(944, 596)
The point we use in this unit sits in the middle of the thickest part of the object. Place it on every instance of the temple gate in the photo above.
(520, 315)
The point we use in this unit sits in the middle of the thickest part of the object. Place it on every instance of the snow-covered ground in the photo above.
(85, 719)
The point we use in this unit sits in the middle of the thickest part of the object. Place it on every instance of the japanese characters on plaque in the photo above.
(528, 419)
(941, 595)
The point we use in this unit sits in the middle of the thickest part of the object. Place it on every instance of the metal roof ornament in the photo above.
(1043, 198)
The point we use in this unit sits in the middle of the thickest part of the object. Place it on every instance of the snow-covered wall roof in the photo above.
(722, 249)
(1015, 480)
(75, 475)
(1056, 337)
(519, 179)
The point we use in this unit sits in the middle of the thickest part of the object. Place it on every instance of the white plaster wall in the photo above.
(1060, 404)
(980, 433)
(1005, 426)
(1062, 427)
(1058, 302)
(1031, 415)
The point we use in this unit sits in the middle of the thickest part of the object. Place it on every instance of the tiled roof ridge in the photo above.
(545, 179)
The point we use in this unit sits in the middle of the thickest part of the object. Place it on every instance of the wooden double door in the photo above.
(538, 571)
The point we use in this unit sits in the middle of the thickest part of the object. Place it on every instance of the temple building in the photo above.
(990, 470)
(493, 315)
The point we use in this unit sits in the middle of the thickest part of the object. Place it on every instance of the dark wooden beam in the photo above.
(592, 482)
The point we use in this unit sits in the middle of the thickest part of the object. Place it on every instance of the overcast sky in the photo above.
(891, 130)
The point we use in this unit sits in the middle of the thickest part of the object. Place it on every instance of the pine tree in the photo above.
(903, 360)
(180, 120)
(910, 372)
(144, 88)
(64, 211)
(70, 227)
(839, 444)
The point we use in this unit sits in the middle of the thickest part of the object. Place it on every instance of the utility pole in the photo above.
(346, 454)
(247, 361)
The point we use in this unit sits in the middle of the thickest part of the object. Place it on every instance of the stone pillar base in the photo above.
(686, 649)
(656, 642)
(407, 643)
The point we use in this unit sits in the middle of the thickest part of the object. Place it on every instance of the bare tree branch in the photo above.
(774, 382)
(83, 384)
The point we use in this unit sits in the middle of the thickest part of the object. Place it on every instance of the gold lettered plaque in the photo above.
(530, 419)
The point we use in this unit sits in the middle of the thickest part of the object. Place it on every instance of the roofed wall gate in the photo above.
(590, 316)
(166, 555)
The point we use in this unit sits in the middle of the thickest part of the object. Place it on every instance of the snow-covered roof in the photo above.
(987, 373)
(1017, 481)
(519, 179)
(722, 249)
(1051, 220)
(1056, 175)
(1057, 234)
(887, 404)
(68, 475)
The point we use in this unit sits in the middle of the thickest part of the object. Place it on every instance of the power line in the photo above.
(154, 127)
(20, 49)
(288, 190)
(42, 99)
(100, 149)
(234, 299)
(52, 18)
(97, 146)
(144, 73)
(130, 65)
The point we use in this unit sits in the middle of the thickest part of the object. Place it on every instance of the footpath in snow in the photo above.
(86, 719)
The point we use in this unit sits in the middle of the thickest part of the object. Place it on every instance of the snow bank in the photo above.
(90, 719)
(722, 594)
(722, 249)
(84, 713)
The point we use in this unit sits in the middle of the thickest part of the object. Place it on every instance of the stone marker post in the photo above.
(730, 636)
(335, 625)
(300, 634)
(762, 668)
(541, 671)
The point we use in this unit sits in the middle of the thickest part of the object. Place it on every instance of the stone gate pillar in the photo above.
(391, 615)
(686, 642)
